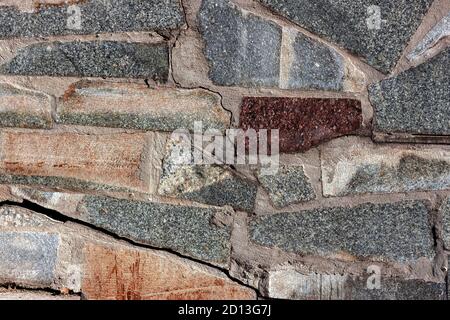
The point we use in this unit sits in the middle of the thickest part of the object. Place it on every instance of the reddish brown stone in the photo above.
(303, 123)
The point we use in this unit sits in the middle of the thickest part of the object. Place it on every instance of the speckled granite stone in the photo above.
(445, 212)
(303, 123)
(95, 16)
(345, 23)
(416, 101)
(290, 185)
(184, 229)
(241, 49)
(108, 59)
(28, 258)
(315, 66)
(395, 231)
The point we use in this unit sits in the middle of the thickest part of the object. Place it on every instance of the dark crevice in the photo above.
(57, 216)
(53, 292)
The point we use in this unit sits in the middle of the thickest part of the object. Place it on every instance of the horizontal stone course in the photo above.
(108, 59)
(392, 232)
(90, 17)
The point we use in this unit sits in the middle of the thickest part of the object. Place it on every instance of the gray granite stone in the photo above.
(396, 231)
(28, 258)
(345, 23)
(95, 16)
(242, 50)
(315, 66)
(440, 31)
(290, 185)
(445, 212)
(184, 229)
(416, 101)
(91, 59)
(211, 184)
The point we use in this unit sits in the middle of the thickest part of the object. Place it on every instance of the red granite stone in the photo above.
(303, 123)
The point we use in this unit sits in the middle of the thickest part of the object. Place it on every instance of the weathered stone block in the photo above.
(291, 284)
(28, 258)
(290, 185)
(377, 31)
(90, 17)
(393, 231)
(445, 212)
(351, 166)
(74, 161)
(117, 105)
(24, 108)
(115, 273)
(303, 123)
(108, 59)
(416, 101)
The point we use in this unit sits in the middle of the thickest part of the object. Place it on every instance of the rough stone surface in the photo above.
(445, 212)
(211, 184)
(28, 258)
(346, 23)
(73, 161)
(130, 106)
(291, 284)
(440, 31)
(404, 226)
(303, 123)
(23, 295)
(95, 16)
(108, 59)
(126, 274)
(416, 101)
(290, 185)
(315, 66)
(356, 167)
(23, 108)
(185, 229)
(242, 49)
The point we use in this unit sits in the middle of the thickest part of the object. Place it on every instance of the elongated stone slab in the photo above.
(416, 101)
(132, 106)
(108, 59)
(377, 31)
(90, 17)
(303, 123)
(407, 232)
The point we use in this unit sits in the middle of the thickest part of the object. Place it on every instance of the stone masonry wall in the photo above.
(96, 204)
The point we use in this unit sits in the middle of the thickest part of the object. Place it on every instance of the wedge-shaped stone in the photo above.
(74, 161)
(377, 31)
(416, 101)
(130, 274)
(393, 231)
(118, 105)
(24, 108)
(351, 166)
(90, 17)
(108, 59)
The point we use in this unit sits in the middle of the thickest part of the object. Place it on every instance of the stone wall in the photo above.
(94, 203)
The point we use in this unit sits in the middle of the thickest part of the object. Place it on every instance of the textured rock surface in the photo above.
(109, 59)
(439, 32)
(28, 258)
(353, 166)
(138, 107)
(445, 212)
(353, 24)
(23, 108)
(290, 185)
(185, 229)
(74, 161)
(405, 228)
(210, 184)
(303, 123)
(290, 284)
(126, 274)
(416, 101)
(90, 17)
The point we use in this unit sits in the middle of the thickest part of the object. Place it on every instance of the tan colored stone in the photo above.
(74, 160)
(127, 274)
